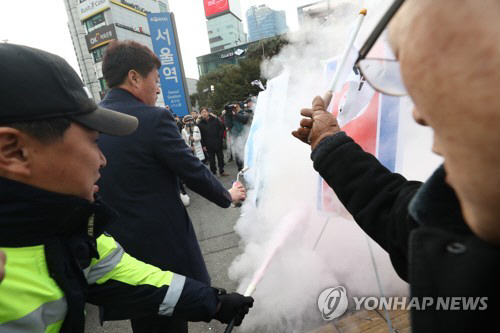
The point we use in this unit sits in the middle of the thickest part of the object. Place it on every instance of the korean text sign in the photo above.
(164, 45)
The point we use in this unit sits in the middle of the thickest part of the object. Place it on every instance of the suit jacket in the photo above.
(141, 182)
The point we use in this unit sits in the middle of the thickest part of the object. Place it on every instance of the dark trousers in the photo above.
(181, 186)
(239, 163)
(205, 161)
(220, 160)
(158, 324)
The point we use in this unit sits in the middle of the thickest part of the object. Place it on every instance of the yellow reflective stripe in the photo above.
(105, 246)
(105, 265)
(27, 284)
(134, 272)
(55, 327)
(129, 270)
(47, 318)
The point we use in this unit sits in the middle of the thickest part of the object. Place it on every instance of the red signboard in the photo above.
(214, 7)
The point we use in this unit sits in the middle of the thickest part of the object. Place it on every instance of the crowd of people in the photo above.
(208, 134)
(61, 241)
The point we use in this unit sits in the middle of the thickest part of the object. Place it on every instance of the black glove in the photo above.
(232, 306)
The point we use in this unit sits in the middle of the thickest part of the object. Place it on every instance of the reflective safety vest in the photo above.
(31, 301)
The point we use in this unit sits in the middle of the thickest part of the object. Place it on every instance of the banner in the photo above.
(166, 47)
(368, 117)
(88, 8)
(100, 36)
(214, 7)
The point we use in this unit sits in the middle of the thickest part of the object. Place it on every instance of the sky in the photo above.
(43, 24)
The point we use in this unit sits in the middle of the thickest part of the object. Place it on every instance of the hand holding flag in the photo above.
(318, 125)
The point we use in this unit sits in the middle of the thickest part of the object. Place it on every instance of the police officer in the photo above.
(52, 220)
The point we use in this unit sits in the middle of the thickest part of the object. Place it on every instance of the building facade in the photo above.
(211, 61)
(224, 25)
(93, 24)
(224, 32)
(264, 22)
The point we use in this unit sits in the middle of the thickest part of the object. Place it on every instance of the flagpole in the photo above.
(329, 93)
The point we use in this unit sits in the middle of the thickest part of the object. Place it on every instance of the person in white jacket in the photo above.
(191, 134)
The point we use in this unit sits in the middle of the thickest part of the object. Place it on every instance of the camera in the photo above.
(229, 108)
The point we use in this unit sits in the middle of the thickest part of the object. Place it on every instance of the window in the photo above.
(163, 7)
(94, 22)
(102, 84)
(215, 39)
(98, 53)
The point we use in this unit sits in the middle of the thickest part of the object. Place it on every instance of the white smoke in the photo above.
(283, 187)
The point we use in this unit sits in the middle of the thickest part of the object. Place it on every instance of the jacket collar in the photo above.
(120, 94)
(206, 121)
(436, 204)
(30, 215)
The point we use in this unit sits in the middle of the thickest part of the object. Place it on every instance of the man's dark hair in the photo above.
(204, 108)
(46, 131)
(122, 56)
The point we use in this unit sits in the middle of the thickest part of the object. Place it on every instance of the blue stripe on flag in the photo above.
(388, 135)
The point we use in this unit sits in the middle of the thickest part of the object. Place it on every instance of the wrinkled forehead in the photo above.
(438, 21)
(398, 26)
(417, 18)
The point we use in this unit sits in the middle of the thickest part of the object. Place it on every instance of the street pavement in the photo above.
(219, 244)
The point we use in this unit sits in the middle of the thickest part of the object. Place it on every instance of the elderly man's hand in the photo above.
(318, 125)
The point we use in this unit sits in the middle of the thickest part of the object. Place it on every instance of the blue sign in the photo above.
(164, 38)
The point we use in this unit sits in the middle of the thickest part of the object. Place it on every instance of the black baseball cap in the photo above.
(39, 85)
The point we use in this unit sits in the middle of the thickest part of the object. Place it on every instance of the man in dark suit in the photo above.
(212, 132)
(141, 179)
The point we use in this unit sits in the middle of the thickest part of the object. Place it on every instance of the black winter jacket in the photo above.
(68, 229)
(422, 229)
(235, 122)
(212, 132)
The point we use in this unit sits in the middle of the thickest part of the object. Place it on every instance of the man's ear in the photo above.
(133, 77)
(13, 153)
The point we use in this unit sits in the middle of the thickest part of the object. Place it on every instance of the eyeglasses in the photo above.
(384, 75)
